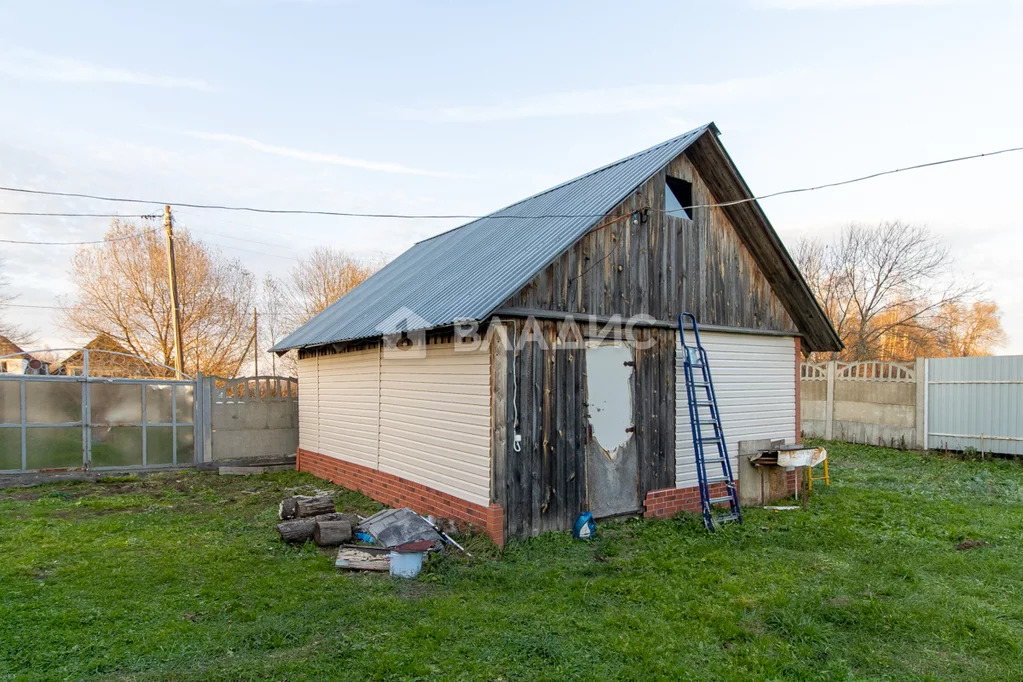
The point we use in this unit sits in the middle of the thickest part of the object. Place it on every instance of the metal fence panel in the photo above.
(975, 402)
(80, 422)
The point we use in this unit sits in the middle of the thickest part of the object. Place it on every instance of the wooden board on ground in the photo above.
(356, 558)
(252, 470)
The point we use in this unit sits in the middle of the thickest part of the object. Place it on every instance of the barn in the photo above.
(525, 366)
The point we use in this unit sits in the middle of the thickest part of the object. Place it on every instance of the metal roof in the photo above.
(467, 272)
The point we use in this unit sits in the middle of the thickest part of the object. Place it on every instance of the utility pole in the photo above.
(255, 340)
(172, 273)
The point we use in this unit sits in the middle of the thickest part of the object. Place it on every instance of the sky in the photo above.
(464, 107)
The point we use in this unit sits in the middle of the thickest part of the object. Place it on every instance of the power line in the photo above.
(258, 253)
(82, 243)
(859, 179)
(27, 305)
(410, 216)
(78, 215)
(246, 239)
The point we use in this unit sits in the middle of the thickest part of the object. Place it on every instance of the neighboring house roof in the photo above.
(468, 272)
(8, 347)
(111, 358)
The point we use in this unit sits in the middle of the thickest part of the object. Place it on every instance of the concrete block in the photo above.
(812, 410)
(901, 416)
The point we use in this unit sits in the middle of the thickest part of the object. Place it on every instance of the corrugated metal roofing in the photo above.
(467, 272)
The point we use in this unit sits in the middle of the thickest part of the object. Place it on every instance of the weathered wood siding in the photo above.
(661, 267)
(657, 267)
(543, 487)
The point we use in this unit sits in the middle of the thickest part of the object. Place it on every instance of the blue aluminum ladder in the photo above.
(703, 413)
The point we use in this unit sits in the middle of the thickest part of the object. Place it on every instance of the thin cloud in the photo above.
(317, 157)
(36, 66)
(638, 98)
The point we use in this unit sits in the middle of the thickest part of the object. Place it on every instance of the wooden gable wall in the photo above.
(658, 268)
(661, 267)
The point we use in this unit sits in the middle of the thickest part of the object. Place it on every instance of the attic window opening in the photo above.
(678, 198)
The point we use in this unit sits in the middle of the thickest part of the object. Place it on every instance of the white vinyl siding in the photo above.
(349, 389)
(755, 383)
(435, 420)
(426, 419)
(308, 405)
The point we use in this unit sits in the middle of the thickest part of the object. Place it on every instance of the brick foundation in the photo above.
(670, 501)
(667, 502)
(395, 491)
(792, 479)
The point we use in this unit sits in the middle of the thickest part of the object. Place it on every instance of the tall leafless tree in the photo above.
(123, 291)
(323, 277)
(318, 280)
(9, 329)
(892, 278)
(970, 329)
(277, 316)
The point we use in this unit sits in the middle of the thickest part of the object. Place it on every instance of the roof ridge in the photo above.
(698, 130)
(467, 273)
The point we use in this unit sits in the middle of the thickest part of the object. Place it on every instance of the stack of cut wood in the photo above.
(316, 519)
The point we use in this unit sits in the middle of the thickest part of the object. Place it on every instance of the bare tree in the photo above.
(277, 319)
(323, 277)
(875, 282)
(123, 292)
(970, 329)
(314, 283)
(9, 329)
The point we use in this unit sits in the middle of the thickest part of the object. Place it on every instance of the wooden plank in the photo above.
(356, 558)
(547, 427)
(499, 419)
(513, 478)
(536, 374)
(242, 470)
(573, 448)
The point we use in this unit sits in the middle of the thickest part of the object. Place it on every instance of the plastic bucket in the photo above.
(406, 564)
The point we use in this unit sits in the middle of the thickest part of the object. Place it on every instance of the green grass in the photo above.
(179, 576)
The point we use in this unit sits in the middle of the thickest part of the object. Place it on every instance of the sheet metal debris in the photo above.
(393, 527)
(789, 456)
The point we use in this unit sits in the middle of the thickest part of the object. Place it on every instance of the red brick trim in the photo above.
(395, 491)
(792, 480)
(670, 501)
(667, 502)
(799, 362)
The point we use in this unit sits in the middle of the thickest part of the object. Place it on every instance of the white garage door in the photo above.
(755, 382)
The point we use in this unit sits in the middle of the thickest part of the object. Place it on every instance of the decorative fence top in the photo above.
(813, 371)
(868, 370)
(253, 389)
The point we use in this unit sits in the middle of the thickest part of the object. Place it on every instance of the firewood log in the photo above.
(314, 506)
(332, 533)
(287, 509)
(296, 530)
